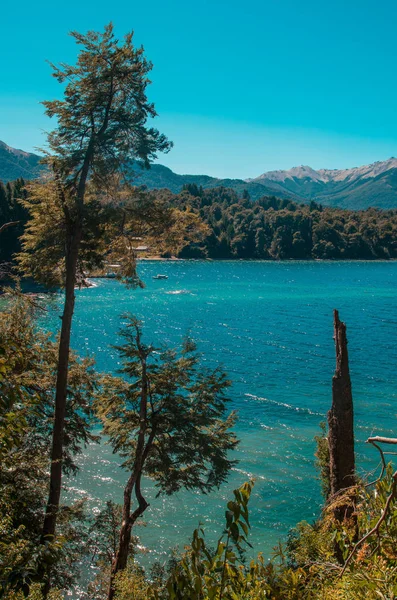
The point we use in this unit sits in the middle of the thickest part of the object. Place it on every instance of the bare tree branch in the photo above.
(382, 440)
(392, 496)
(7, 225)
(382, 456)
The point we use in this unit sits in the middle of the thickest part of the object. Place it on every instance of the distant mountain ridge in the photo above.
(159, 176)
(328, 175)
(357, 188)
(360, 187)
(18, 163)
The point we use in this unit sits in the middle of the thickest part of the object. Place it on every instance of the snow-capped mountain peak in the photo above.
(328, 175)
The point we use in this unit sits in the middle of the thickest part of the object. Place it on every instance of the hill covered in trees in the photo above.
(11, 211)
(240, 228)
(275, 229)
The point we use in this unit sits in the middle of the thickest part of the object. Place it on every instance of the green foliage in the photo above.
(104, 110)
(372, 572)
(197, 224)
(28, 360)
(271, 228)
(208, 574)
(104, 529)
(305, 569)
(167, 419)
(187, 434)
(205, 573)
(370, 507)
(30, 356)
(322, 460)
(35, 593)
(45, 236)
(11, 210)
(131, 584)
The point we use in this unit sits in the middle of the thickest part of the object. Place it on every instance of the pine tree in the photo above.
(101, 129)
(169, 422)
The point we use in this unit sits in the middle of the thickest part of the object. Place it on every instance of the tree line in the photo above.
(231, 227)
(12, 211)
(273, 228)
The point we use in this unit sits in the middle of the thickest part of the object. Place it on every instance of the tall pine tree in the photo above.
(101, 129)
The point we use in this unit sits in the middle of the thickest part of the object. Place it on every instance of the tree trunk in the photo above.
(73, 241)
(52, 507)
(340, 422)
(121, 558)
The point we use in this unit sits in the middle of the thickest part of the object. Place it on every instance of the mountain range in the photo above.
(357, 188)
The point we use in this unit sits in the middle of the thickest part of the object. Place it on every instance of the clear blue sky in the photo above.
(241, 87)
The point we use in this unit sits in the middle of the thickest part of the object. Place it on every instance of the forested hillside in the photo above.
(276, 229)
(11, 211)
(240, 228)
(18, 163)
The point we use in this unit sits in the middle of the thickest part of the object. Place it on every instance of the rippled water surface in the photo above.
(270, 326)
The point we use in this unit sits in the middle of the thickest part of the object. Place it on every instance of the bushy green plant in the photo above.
(27, 377)
(306, 569)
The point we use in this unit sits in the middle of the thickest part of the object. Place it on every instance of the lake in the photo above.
(270, 325)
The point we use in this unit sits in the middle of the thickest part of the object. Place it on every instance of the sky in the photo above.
(241, 87)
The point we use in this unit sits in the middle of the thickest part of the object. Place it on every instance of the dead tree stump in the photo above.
(340, 423)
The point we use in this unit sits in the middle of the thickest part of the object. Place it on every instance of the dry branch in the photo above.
(381, 440)
(382, 456)
(7, 225)
(392, 496)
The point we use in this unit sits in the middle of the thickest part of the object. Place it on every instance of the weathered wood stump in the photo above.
(340, 422)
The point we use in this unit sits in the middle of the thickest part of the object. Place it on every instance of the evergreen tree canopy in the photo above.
(100, 128)
(187, 433)
(101, 122)
(168, 421)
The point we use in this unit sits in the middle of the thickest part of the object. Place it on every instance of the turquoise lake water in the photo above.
(270, 325)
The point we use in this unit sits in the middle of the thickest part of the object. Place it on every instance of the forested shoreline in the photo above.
(277, 229)
(235, 227)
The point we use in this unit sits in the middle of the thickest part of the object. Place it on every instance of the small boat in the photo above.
(160, 276)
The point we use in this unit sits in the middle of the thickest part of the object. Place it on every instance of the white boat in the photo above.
(160, 276)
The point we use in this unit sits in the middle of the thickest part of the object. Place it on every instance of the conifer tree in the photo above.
(101, 129)
(169, 422)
